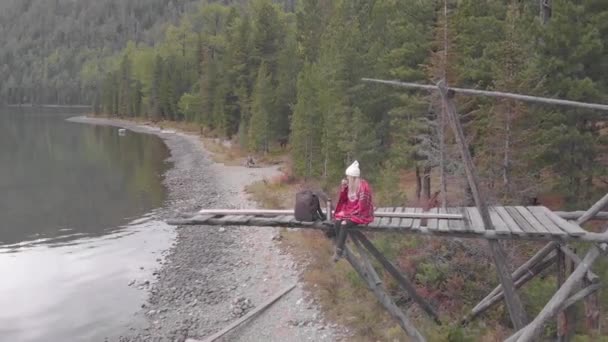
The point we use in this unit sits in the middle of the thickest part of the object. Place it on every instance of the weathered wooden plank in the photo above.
(571, 229)
(499, 224)
(248, 316)
(417, 221)
(398, 221)
(467, 224)
(244, 218)
(432, 222)
(540, 215)
(377, 221)
(407, 222)
(442, 224)
(202, 218)
(386, 220)
(521, 221)
(285, 218)
(380, 212)
(324, 225)
(476, 222)
(513, 226)
(455, 225)
(527, 215)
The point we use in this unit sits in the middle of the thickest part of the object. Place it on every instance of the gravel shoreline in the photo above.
(213, 275)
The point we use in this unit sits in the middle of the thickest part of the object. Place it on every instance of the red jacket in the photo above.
(359, 211)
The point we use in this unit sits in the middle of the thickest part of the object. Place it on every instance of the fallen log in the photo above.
(248, 316)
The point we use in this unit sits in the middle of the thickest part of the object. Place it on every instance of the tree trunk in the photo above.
(418, 183)
(426, 185)
(506, 166)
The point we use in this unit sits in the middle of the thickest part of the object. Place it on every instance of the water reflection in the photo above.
(65, 179)
(77, 225)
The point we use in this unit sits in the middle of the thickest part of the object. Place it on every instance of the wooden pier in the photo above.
(492, 223)
(511, 223)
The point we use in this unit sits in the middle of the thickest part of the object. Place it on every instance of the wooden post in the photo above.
(519, 282)
(402, 280)
(514, 305)
(531, 331)
(562, 321)
(383, 297)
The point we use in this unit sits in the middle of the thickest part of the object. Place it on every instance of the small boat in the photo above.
(122, 131)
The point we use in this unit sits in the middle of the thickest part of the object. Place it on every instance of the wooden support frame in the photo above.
(514, 305)
(401, 279)
(556, 303)
(369, 276)
(521, 280)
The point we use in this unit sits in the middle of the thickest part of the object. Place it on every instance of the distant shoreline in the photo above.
(30, 105)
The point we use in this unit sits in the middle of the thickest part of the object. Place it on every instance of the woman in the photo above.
(354, 206)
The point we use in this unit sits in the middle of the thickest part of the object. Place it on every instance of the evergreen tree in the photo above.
(262, 103)
(306, 135)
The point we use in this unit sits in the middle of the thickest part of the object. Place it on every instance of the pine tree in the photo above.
(288, 69)
(260, 125)
(306, 135)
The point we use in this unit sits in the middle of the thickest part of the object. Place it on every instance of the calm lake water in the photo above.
(77, 226)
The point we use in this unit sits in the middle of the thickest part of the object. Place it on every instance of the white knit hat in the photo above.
(353, 170)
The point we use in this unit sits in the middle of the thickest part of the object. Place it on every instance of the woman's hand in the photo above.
(344, 183)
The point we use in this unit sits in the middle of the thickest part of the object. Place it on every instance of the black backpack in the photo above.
(308, 207)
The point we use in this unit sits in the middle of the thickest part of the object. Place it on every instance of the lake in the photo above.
(78, 208)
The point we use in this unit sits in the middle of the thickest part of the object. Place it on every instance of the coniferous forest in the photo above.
(259, 72)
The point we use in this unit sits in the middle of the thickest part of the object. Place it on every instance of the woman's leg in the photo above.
(341, 240)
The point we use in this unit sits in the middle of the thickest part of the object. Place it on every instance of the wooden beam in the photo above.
(575, 215)
(582, 294)
(593, 211)
(375, 277)
(555, 304)
(383, 297)
(248, 316)
(273, 212)
(524, 268)
(514, 305)
(571, 255)
(562, 319)
(402, 280)
(532, 330)
(489, 302)
(500, 94)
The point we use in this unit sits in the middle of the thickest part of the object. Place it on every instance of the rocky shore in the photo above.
(214, 275)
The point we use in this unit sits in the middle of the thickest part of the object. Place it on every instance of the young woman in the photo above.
(354, 206)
